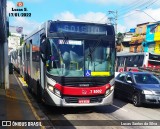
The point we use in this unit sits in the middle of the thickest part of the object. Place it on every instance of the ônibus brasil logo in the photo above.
(19, 4)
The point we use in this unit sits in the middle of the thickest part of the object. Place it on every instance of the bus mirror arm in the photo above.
(43, 58)
(43, 48)
(43, 45)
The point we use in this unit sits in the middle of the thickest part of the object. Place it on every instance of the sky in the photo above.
(129, 12)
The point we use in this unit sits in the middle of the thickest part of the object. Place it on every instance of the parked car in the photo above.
(140, 87)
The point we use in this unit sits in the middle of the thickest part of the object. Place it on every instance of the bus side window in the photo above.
(131, 60)
(117, 63)
(121, 61)
(140, 61)
(127, 61)
(136, 60)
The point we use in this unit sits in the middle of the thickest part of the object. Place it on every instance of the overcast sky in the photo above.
(130, 12)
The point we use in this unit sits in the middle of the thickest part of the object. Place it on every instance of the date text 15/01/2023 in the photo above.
(19, 14)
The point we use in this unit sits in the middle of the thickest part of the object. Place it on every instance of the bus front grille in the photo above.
(97, 99)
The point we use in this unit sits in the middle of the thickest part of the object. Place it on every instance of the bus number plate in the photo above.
(81, 101)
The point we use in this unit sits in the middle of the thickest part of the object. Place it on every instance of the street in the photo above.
(120, 110)
(109, 116)
(81, 56)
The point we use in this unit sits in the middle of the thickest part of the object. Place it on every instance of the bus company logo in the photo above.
(20, 4)
(84, 92)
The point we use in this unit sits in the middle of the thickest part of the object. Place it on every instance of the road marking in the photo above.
(8, 94)
(29, 102)
(22, 81)
(119, 108)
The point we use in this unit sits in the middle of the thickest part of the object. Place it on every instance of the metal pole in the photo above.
(6, 68)
(116, 17)
(1, 66)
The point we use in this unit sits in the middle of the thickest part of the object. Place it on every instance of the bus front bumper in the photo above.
(52, 99)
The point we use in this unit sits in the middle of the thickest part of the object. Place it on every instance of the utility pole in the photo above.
(113, 20)
(5, 48)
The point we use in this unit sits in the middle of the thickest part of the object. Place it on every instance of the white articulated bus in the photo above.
(70, 63)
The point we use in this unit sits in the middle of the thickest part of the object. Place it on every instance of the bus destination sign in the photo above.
(78, 28)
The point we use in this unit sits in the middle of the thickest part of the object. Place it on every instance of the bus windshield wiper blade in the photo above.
(93, 49)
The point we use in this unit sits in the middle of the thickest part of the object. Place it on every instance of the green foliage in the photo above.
(136, 35)
(119, 34)
(9, 33)
(119, 38)
(21, 41)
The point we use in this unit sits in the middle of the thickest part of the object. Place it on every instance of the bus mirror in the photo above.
(43, 46)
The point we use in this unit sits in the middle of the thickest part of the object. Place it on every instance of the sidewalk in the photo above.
(14, 105)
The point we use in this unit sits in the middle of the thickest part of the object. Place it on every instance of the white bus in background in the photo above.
(134, 61)
(17, 59)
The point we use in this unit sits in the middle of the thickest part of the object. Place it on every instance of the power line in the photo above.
(102, 18)
(147, 14)
(146, 3)
(151, 3)
(137, 12)
(130, 6)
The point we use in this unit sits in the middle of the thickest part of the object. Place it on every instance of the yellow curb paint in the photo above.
(8, 94)
(29, 102)
(22, 81)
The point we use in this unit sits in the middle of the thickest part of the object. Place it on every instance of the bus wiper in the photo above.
(93, 49)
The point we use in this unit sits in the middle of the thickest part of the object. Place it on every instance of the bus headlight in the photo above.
(50, 88)
(57, 92)
(54, 90)
(109, 90)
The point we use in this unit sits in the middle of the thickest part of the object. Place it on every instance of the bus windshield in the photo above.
(154, 60)
(79, 58)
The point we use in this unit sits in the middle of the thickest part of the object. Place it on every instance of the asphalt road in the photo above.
(116, 116)
(105, 116)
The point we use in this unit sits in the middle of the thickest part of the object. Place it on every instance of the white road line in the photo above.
(119, 108)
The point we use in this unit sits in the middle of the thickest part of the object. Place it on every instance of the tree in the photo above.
(120, 37)
(21, 41)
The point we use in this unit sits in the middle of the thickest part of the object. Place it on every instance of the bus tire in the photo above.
(39, 92)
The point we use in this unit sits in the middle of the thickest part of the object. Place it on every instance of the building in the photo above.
(152, 42)
(15, 36)
(157, 39)
(139, 37)
(124, 40)
(145, 39)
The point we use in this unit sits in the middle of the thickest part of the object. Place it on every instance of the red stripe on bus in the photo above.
(83, 91)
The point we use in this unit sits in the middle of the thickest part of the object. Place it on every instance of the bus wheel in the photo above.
(39, 93)
(136, 100)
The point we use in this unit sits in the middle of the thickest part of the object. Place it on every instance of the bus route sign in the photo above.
(78, 28)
